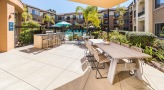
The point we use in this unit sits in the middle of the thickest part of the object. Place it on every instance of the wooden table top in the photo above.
(96, 41)
(120, 52)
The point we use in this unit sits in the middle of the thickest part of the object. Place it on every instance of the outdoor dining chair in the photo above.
(101, 59)
(87, 51)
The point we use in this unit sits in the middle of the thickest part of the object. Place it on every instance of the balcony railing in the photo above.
(74, 18)
(106, 22)
(141, 13)
(105, 16)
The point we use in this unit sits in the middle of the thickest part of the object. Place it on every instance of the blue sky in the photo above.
(61, 6)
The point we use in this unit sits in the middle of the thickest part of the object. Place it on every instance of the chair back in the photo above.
(96, 55)
(90, 48)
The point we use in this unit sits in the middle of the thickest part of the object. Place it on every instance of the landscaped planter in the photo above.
(157, 65)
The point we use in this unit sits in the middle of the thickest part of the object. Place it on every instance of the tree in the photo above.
(25, 15)
(121, 10)
(48, 19)
(27, 34)
(90, 14)
(94, 18)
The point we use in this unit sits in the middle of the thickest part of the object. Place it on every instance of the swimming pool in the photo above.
(78, 32)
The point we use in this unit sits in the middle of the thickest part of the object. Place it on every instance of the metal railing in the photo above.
(141, 13)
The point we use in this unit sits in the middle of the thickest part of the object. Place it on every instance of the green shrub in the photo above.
(96, 34)
(27, 34)
(115, 36)
(70, 38)
(160, 54)
(102, 35)
(75, 36)
(159, 44)
(148, 50)
(137, 38)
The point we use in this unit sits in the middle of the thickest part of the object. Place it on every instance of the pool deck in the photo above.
(65, 68)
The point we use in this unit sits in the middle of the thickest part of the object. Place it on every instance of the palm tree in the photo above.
(87, 13)
(25, 15)
(48, 19)
(121, 10)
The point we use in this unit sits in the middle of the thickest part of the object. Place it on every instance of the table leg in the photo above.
(138, 72)
(112, 70)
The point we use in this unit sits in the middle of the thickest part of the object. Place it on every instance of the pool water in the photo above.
(78, 32)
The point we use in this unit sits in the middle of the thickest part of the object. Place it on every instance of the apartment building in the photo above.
(72, 18)
(112, 21)
(38, 14)
(131, 16)
(149, 16)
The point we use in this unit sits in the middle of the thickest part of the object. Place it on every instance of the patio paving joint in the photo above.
(18, 80)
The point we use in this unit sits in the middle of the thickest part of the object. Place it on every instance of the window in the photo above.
(159, 3)
(38, 13)
(117, 15)
(33, 12)
(80, 16)
(159, 30)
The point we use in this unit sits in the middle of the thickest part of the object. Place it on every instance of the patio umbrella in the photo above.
(63, 23)
(100, 3)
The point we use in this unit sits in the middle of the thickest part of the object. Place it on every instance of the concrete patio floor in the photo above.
(65, 68)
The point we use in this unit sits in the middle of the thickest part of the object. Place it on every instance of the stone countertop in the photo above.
(43, 34)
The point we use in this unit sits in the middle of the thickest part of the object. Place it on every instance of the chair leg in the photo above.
(103, 65)
(94, 65)
(97, 71)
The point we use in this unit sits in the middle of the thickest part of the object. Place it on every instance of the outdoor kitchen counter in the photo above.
(43, 34)
(38, 40)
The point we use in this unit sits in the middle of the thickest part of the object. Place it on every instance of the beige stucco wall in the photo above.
(7, 8)
(158, 17)
(3, 25)
(149, 16)
(10, 34)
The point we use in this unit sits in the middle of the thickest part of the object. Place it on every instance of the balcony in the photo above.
(105, 16)
(105, 23)
(141, 13)
(59, 18)
(74, 17)
(131, 12)
(68, 18)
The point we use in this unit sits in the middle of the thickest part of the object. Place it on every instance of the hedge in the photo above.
(141, 38)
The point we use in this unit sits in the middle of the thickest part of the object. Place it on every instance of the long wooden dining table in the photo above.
(118, 52)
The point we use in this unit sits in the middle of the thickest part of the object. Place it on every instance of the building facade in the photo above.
(112, 21)
(38, 14)
(10, 16)
(149, 16)
(72, 18)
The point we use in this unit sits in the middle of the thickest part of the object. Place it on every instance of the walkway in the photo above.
(64, 68)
